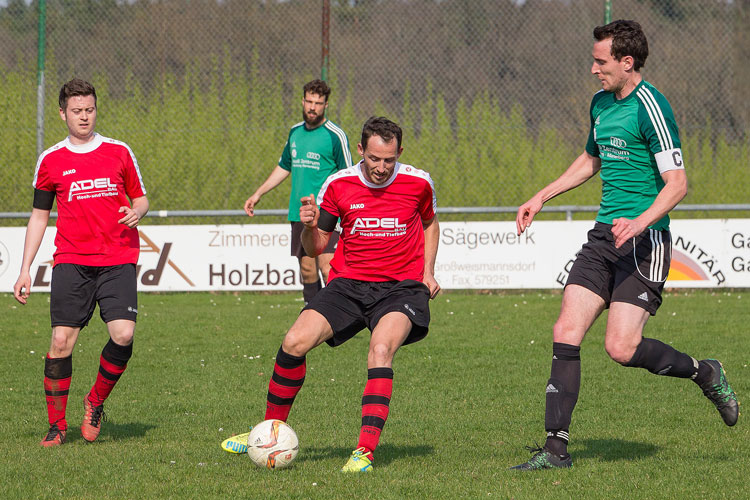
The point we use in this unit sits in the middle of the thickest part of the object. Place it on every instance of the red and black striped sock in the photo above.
(286, 381)
(376, 401)
(57, 375)
(112, 364)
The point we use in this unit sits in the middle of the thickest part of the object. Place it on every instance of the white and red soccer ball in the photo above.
(272, 444)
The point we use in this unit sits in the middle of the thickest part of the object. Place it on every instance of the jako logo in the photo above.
(313, 156)
(387, 223)
(355, 206)
(91, 185)
(68, 172)
(617, 142)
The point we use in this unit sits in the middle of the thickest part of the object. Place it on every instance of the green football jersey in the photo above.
(637, 140)
(311, 156)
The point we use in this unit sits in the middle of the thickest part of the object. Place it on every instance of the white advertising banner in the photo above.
(481, 255)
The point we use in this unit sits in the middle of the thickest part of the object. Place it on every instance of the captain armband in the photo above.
(43, 200)
(671, 159)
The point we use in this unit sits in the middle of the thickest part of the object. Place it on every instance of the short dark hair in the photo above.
(628, 39)
(73, 88)
(317, 87)
(383, 128)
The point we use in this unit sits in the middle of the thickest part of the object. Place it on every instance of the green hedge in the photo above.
(205, 141)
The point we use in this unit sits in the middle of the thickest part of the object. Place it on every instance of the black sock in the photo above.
(562, 395)
(704, 372)
(662, 359)
(309, 290)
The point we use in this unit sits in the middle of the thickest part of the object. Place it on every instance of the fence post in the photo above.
(607, 11)
(40, 77)
(325, 39)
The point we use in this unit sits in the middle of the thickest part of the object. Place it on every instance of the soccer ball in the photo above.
(272, 444)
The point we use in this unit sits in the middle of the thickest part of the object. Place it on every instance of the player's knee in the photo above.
(381, 353)
(296, 342)
(564, 333)
(59, 346)
(619, 352)
(122, 337)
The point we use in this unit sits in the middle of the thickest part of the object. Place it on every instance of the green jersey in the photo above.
(637, 140)
(311, 155)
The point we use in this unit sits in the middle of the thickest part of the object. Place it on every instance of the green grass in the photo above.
(466, 401)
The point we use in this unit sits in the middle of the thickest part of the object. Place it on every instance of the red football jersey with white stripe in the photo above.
(382, 238)
(91, 182)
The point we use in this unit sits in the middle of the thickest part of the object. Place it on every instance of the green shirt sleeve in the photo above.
(656, 121)
(285, 161)
(591, 147)
(341, 154)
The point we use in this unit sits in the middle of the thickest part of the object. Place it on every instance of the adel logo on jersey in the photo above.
(374, 226)
(92, 188)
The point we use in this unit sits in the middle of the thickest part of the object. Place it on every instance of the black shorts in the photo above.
(351, 305)
(75, 290)
(299, 251)
(623, 274)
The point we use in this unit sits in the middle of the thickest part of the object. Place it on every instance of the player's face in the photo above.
(612, 74)
(80, 117)
(379, 159)
(314, 109)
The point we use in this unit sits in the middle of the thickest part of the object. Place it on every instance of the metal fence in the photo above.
(493, 94)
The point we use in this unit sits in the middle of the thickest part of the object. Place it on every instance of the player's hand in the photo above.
(308, 211)
(431, 283)
(130, 218)
(623, 229)
(22, 288)
(526, 213)
(250, 204)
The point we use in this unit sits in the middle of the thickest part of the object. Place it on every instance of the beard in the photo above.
(313, 122)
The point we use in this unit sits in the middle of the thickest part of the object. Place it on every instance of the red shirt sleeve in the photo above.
(134, 187)
(427, 202)
(329, 200)
(42, 179)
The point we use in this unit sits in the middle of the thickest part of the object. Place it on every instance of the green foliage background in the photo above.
(208, 146)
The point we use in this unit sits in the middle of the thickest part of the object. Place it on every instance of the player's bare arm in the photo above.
(431, 239)
(34, 234)
(133, 215)
(582, 169)
(674, 190)
(314, 239)
(276, 177)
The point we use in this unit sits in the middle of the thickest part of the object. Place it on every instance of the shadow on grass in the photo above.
(613, 450)
(120, 432)
(385, 454)
(111, 432)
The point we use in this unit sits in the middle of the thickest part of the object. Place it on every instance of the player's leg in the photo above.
(640, 279)
(391, 328)
(58, 371)
(72, 303)
(580, 308)
(309, 330)
(308, 267)
(118, 306)
(388, 336)
(311, 284)
(625, 344)
(324, 259)
(324, 265)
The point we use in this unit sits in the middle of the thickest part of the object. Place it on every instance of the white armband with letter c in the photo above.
(671, 159)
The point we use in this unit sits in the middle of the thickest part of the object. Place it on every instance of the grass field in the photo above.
(466, 401)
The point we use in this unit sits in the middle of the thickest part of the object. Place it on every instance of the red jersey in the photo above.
(382, 238)
(91, 182)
